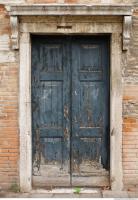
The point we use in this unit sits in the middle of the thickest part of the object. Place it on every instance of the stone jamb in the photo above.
(116, 172)
(25, 127)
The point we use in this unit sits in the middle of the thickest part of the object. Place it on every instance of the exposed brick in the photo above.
(41, 1)
(71, 1)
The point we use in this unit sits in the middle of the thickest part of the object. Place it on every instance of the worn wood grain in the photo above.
(70, 113)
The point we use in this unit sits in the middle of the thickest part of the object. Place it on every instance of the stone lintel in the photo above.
(73, 9)
(16, 11)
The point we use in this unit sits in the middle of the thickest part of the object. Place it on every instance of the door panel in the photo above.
(50, 97)
(89, 118)
(70, 110)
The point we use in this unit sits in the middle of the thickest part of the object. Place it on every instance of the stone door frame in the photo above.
(72, 23)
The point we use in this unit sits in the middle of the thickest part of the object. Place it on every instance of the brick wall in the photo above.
(9, 134)
(9, 143)
(79, 1)
(130, 111)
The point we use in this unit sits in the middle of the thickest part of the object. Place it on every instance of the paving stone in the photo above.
(133, 194)
(41, 195)
(114, 194)
(77, 195)
(100, 194)
(55, 193)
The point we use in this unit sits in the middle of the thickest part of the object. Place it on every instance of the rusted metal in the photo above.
(37, 156)
(66, 112)
(66, 133)
(63, 27)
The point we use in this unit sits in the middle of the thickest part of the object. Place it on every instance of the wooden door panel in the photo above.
(50, 96)
(90, 57)
(51, 57)
(70, 110)
(90, 109)
(91, 105)
(89, 112)
(51, 105)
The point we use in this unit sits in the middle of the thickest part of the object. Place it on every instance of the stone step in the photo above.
(58, 193)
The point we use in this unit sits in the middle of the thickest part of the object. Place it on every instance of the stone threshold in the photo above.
(67, 190)
(90, 192)
(70, 193)
(56, 193)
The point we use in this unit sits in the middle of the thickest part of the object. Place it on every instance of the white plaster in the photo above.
(60, 1)
(106, 1)
(11, 1)
(4, 42)
(7, 56)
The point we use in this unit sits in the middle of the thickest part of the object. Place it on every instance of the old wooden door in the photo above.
(70, 110)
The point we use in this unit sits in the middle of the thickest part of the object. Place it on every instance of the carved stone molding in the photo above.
(127, 25)
(15, 32)
(16, 11)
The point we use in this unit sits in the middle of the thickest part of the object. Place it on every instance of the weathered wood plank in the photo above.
(90, 113)
(70, 114)
(50, 94)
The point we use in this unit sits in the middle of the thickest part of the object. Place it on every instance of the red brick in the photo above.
(71, 1)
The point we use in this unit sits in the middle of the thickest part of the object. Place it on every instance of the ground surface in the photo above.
(70, 193)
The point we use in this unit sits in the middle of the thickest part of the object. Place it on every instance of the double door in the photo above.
(70, 110)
